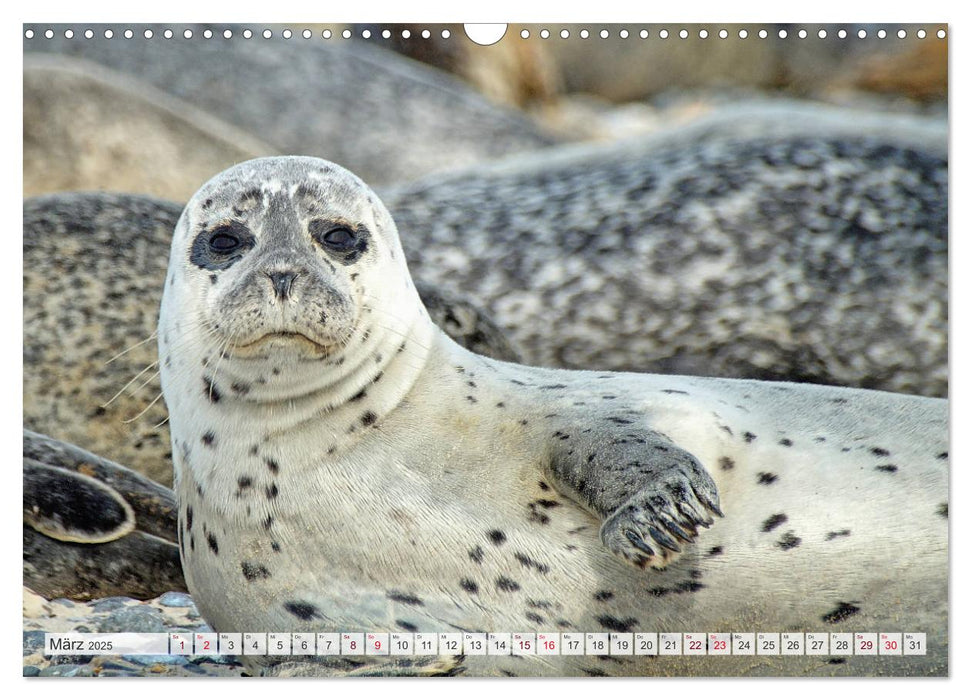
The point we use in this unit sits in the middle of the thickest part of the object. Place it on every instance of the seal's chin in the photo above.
(286, 341)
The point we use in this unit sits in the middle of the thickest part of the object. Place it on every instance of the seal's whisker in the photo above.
(160, 423)
(129, 349)
(143, 411)
(146, 382)
(130, 382)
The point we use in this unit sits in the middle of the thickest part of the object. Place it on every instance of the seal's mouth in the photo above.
(285, 339)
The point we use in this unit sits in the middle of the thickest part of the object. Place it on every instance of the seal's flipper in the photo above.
(71, 507)
(652, 495)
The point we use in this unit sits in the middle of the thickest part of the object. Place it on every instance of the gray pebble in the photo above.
(136, 619)
(31, 671)
(109, 604)
(67, 671)
(33, 641)
(150, 660)
(174, 599)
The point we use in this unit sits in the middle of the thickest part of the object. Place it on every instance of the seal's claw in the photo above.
(636, 540)
(674, 529)
(663, 539)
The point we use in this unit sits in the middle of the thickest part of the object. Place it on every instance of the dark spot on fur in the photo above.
(834, 535)
(835, 661)
(301, 609)
(879, 452)
(726, 429)
(889, 468)
(253, 571)
(942, 510)
(603, 595)
(615, 625)
(358, 396)
(275, 546)
(188, 517)
(942, 455)
(406, 626)
(533, 617)
(406, 598)
(530, 563)
(553, 386)
(789, 541)
(785, 442)
(475, 554)
(594, 672)
(535, 516)
(497, 537)
(688, 586)
(544, 486)
(500, 405)
(506, 584)
(619, 421)
(842, 611)
(212, 392)
(471, 399)
(726, 463)
(368, 418)
(272, 491)
(469, 586)
(268, 522)
(767, 478)
(272, 465)
(773, 522)
(673, 391)
(546, 503)
(209, 439)
(213, 544)
(715, 551)
(244, 482)
(254, 449)
(749, 437)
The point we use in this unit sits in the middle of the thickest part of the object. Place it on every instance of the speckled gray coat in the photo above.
(776, 241)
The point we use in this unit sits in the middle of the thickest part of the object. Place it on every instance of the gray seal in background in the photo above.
(387, 117)
(770, 241)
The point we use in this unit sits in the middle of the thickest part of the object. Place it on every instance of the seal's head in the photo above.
(283, 261)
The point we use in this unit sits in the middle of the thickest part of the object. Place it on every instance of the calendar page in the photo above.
(564, 350)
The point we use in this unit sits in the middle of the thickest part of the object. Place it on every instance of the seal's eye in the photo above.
(342, 242)
(338, 239)
(223, 241)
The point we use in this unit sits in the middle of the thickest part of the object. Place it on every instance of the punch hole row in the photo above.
(446, 34)
(725, 34)
(229, 34)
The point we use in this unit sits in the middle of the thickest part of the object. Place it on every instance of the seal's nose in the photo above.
(282, 282)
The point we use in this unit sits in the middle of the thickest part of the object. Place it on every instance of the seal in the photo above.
(342, 465)
(94, 266)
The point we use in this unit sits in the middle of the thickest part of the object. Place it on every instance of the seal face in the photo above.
(341, 464)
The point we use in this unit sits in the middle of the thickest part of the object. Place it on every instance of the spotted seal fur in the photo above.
(771, 240)
(341, 464)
